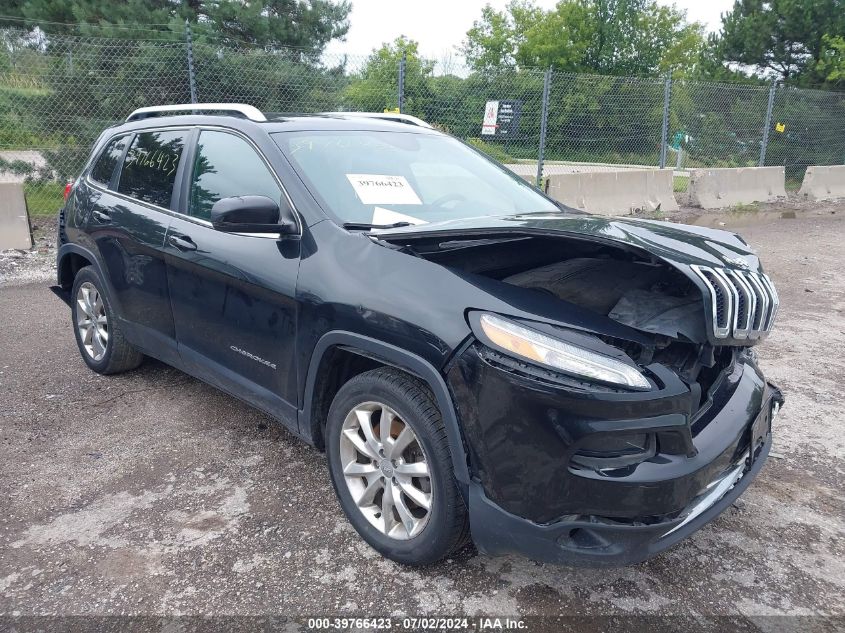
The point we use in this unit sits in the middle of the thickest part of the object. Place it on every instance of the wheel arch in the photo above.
(378, 353)
(70, 259)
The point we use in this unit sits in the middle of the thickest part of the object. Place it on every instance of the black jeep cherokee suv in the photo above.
(474, 358)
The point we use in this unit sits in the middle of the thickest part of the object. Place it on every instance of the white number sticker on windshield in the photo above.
(382, 189)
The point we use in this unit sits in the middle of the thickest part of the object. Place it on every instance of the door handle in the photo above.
(182, 242)
(102, 216)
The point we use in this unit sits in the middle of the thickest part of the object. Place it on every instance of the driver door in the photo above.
(233, 295)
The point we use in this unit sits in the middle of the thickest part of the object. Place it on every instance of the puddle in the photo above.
(737, 219)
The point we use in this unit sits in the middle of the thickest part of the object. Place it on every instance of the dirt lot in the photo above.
(152, 493)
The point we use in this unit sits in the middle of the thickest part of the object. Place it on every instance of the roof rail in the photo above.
(246, 111)
(389, 116)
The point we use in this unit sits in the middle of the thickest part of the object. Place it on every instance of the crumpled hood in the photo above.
(674, 243)
(739, 301)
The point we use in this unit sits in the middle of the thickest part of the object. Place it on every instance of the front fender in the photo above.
(401, 359)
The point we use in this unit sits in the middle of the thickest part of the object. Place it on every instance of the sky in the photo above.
(441, 25)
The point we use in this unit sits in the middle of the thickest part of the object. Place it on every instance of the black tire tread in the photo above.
(421, 395)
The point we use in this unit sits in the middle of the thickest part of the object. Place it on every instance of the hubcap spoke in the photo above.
(83, 305)
(365, 420)
(416, 469)
(99, 346)
(361, 470)
(91, 321)
(368, 495)
(408, 519)
(387, 505)
(416, 495)
(405, 439)
(363, 447)
(385, 423)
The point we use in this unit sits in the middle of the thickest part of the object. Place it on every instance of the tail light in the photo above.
(68, 187)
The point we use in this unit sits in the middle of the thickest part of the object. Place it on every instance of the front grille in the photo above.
(743, 303)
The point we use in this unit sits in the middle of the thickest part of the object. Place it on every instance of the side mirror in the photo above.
(252, 214)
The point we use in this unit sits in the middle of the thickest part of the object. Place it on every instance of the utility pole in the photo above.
(664, 134)
(767, 126)
(192, 81)
(544, 120)
(401, 98)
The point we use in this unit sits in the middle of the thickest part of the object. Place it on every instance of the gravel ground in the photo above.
(151, 493)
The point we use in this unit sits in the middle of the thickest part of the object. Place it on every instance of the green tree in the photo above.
(780, 38)
(563, 39)
(612, 37)
(831, 66)
(493, 42)
(269, 24)
(376, 86)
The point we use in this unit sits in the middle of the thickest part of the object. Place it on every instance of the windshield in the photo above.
(382, 178)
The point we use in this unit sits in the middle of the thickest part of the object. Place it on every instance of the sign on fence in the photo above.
(501, 118)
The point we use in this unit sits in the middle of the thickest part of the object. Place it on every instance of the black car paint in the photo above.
(290, 300)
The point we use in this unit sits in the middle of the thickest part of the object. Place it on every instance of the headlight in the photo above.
(545, 350)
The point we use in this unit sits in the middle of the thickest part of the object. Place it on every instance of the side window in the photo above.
(104, 167)
(149, 170)
(227, 166)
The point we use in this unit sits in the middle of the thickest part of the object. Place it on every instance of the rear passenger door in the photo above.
(233, 294)
(128, 222)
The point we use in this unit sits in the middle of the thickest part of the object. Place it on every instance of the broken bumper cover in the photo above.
(590, 543)
(578, 516)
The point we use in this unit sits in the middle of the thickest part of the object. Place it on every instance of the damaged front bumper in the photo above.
(534, 492)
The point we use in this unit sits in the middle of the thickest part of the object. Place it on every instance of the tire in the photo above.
(103, 346)
(437, 531)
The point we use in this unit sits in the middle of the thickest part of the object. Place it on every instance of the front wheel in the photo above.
(391, 467)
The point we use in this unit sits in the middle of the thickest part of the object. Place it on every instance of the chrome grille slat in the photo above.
(763, 303)
(743, 303)
(730, 288)
(746, 306)
(775, 302)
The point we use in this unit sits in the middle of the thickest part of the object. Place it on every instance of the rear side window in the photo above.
(149, 169)
(226, 166)
(104, 167)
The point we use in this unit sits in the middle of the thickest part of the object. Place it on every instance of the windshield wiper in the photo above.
(363, 226)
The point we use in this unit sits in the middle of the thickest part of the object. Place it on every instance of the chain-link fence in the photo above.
(57, 93)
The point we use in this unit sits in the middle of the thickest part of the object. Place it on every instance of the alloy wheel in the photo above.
(386, 470)
(91, 321)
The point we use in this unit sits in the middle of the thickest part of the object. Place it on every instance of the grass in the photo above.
(44, 198)
(650, 214)
(753, 207)
(793, 184)
(492, 150)
(680, 184)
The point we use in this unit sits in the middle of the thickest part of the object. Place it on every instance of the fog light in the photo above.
(612, 451)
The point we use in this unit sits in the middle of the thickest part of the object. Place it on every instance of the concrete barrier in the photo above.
(726, 187)
(823, 183)
(14, 222)
(614, 192)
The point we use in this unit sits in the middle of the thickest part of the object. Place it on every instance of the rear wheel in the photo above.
(391, 468)
(98, 335)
